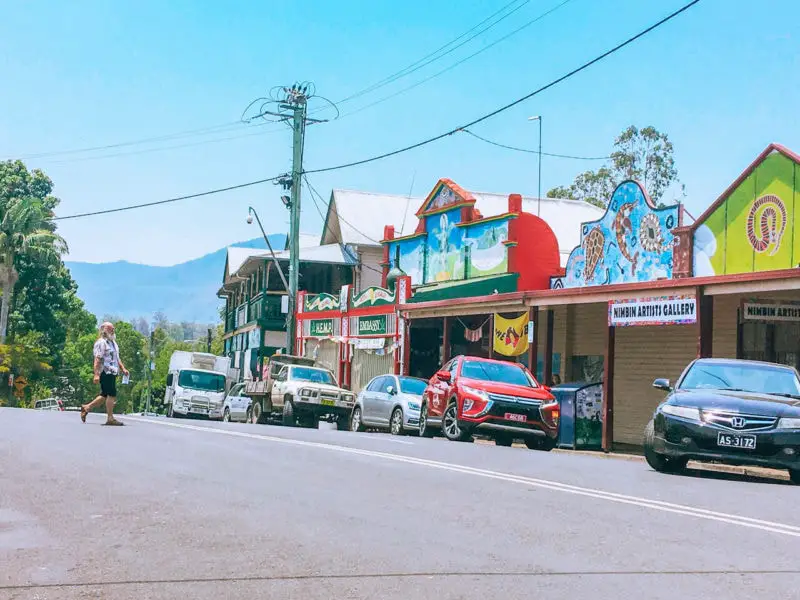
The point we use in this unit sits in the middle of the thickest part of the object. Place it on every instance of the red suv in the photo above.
(499, 399)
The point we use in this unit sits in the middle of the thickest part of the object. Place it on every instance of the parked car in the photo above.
(389, 402)
(237, 406)
(49, 404)
(309, 394)
(725, 410)
(499, 399)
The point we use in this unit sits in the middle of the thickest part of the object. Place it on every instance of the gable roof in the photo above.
(359, 217)
(773, 147)
(235, 259)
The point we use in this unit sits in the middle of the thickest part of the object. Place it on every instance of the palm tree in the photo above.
(25, 230)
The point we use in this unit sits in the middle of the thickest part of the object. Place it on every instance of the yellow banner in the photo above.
(511, 335)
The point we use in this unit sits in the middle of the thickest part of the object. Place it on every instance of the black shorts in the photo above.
(108, 385)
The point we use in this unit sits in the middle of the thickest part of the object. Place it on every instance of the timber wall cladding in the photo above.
(725, 326)
(642, 355)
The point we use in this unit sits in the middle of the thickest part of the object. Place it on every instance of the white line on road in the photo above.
(701, 513)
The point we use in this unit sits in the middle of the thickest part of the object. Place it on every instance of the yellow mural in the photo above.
(511, 335)
(752, 228)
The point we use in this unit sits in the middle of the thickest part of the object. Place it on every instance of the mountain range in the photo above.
(183, 292)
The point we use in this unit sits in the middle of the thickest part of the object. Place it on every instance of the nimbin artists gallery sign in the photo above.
(661, 310)
(764, 311)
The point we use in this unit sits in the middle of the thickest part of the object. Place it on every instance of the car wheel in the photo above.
(450, 426)
(288, 419)
(503, 440)
(396, 422)
(794, 476)
(226, 416)
(355, 420)
(424, 430)
(659, 462)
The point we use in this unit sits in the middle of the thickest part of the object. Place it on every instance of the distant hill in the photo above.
(184, 292)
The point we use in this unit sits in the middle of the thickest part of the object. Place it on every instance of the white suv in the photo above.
(310, 393)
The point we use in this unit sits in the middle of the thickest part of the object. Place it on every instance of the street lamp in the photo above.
(539, 199)
(289, 330)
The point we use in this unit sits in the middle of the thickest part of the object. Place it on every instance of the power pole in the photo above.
(296, 101)
(150, 356)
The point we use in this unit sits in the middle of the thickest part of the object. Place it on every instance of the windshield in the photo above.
(313, 375)
(499, 372)
(765, 379)
(199, 380)
(412, 385)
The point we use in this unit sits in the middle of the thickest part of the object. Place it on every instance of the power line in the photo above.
(483, 139)
(432, 57)
(190, 133)
(504, 108)
(418, 144)
(314, 195)
(168, 200)
(454, 65)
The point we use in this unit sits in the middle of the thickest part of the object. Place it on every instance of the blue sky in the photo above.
(720, 80)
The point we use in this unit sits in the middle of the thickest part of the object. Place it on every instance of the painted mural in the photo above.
(633, 242)
(751, 227)
(447, 249)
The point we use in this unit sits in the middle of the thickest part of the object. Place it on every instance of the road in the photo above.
(190, 509)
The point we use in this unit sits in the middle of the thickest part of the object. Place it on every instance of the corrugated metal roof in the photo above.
(236, 258)
(563, 216)
(364, 214)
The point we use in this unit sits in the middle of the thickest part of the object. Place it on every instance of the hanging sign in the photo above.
(511, 335)
(768, 311)
(320, 327)
(372, 325)
(368, 343)
(659, 310)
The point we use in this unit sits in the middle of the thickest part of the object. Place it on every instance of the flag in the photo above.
(511, 335)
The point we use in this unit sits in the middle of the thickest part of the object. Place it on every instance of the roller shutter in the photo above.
(324, 352)
(643, 354)
(366, 365)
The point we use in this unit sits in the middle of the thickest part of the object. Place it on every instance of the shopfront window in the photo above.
(770, 342)
(587, 368)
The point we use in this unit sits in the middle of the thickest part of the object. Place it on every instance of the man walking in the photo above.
(107, 365)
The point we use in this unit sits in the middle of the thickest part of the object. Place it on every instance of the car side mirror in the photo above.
(391, 391)
(443, 376)
(662, 384)
(169, 379)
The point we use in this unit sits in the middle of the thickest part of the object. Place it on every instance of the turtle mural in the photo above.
(632, 242)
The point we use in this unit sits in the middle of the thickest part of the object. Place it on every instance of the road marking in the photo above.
(701, 513)
(380, 438)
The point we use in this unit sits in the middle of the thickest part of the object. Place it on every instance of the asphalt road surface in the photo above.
(188, 509)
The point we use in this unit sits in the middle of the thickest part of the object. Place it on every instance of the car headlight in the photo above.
(413, 406)
(683, 412)
(789, 423)
(348, 398)
(305, 392)
(475, 392)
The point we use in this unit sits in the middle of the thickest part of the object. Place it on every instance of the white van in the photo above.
(48, 404)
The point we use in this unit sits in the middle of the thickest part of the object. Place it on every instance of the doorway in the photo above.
(771, 342)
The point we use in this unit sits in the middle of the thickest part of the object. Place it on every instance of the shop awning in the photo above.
(466, 288)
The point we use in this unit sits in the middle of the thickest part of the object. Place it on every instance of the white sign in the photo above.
(368, 343)
(661, 310)
(285, 304)
(530, 331)
(754, 311)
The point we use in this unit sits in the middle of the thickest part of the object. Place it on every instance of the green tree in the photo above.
(26, 228)
(133, 351)
(645, 155)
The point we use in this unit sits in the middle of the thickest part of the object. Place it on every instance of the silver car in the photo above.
(389, 402)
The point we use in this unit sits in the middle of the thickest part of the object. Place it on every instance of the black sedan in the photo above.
(731, 411)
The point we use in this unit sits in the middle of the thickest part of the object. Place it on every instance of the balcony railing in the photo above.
(264, 309)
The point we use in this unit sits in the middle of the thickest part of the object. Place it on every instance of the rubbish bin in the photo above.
(581, 410)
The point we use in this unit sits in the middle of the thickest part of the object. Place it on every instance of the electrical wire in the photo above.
(314, 195)
(456, 64)
(483, 139)
(168, 200)
(432, 57)
(504, 108)
(425, 142)
(190, 133)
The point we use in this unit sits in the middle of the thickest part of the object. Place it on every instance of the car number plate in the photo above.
(516, 417)
(746, 442)
(327, 402)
